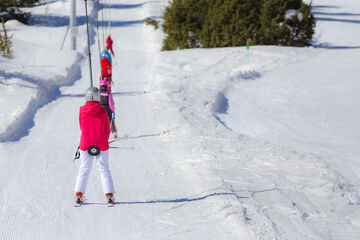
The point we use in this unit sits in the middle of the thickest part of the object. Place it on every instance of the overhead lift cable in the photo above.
(88, 37)
(97, 29)
(103, 20)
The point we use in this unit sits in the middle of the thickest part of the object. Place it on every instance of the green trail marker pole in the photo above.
(248, 50)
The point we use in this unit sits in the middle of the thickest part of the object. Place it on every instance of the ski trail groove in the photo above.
(47, 91)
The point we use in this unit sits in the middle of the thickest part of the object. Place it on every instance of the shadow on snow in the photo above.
(53, 20)
(176, 200)
(328, 46)
(337, 20)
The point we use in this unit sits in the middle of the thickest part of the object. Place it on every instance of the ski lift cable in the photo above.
(106, 17)
(88, 38)
(109, 18)
(98, 37)
(103, 20)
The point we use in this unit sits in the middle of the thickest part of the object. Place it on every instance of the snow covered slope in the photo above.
(215, 143)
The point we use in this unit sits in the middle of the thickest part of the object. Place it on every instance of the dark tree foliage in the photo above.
(230, 22)
(226, 23)
(11, 8)
(183, 23)
(272, 17)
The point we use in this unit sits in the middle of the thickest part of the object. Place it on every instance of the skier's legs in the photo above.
(84, 171)
(103, 165)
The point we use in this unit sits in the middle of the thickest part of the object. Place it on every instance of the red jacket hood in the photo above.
(91, 108)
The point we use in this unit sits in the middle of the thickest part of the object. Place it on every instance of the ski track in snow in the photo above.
(267, 211)
(46, 92)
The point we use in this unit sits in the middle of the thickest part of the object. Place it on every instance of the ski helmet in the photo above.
(92, 94)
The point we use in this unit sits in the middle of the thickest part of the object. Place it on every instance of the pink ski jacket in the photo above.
(108, 94)
(94, 126)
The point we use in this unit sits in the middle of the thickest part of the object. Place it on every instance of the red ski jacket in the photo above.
(94, 126)
(105, 68)
(109, 42)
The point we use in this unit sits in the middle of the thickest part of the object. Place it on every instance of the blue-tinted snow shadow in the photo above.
(17, 75)
(53, 21)
(125, 23)
(329, 46)
(182, 200)
(121, 23)
(221, 103)
(121, 6)
(320, 15)
(21, 76)
(325, 19)
(175, 200)
(220, 106)
(16, 84)
(319, 7)
(336, 14)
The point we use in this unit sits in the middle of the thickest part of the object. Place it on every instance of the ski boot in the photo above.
(79, 199)
(110, 199)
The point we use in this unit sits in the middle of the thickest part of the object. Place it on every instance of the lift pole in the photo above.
(73, 27)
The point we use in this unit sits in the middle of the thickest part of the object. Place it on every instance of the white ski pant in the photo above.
(85, 169)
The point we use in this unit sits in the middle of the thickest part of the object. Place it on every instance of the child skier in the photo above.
(109, 43)
(107, 102)
(107, 55)
(95, 130)
(106, 68)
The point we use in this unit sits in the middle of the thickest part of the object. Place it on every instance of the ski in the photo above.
(110, 202)
(78, 202)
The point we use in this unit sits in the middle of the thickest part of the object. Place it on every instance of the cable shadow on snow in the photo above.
(121, 6)
(143, 136)
(175, 200)
(329, 46)
(53, 20)
(336, 14)
(122, 23)
(325, 19)
(323, 7)
(82, 95)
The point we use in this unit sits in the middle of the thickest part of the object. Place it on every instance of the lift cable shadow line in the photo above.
(175, 200)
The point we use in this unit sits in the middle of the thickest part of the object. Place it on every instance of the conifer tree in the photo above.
(226, 23)
(12, 8)
(293, 4)
(183, 21)
(300, 27)
(271, 22)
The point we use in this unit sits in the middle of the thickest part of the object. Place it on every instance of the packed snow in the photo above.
(214, 143)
